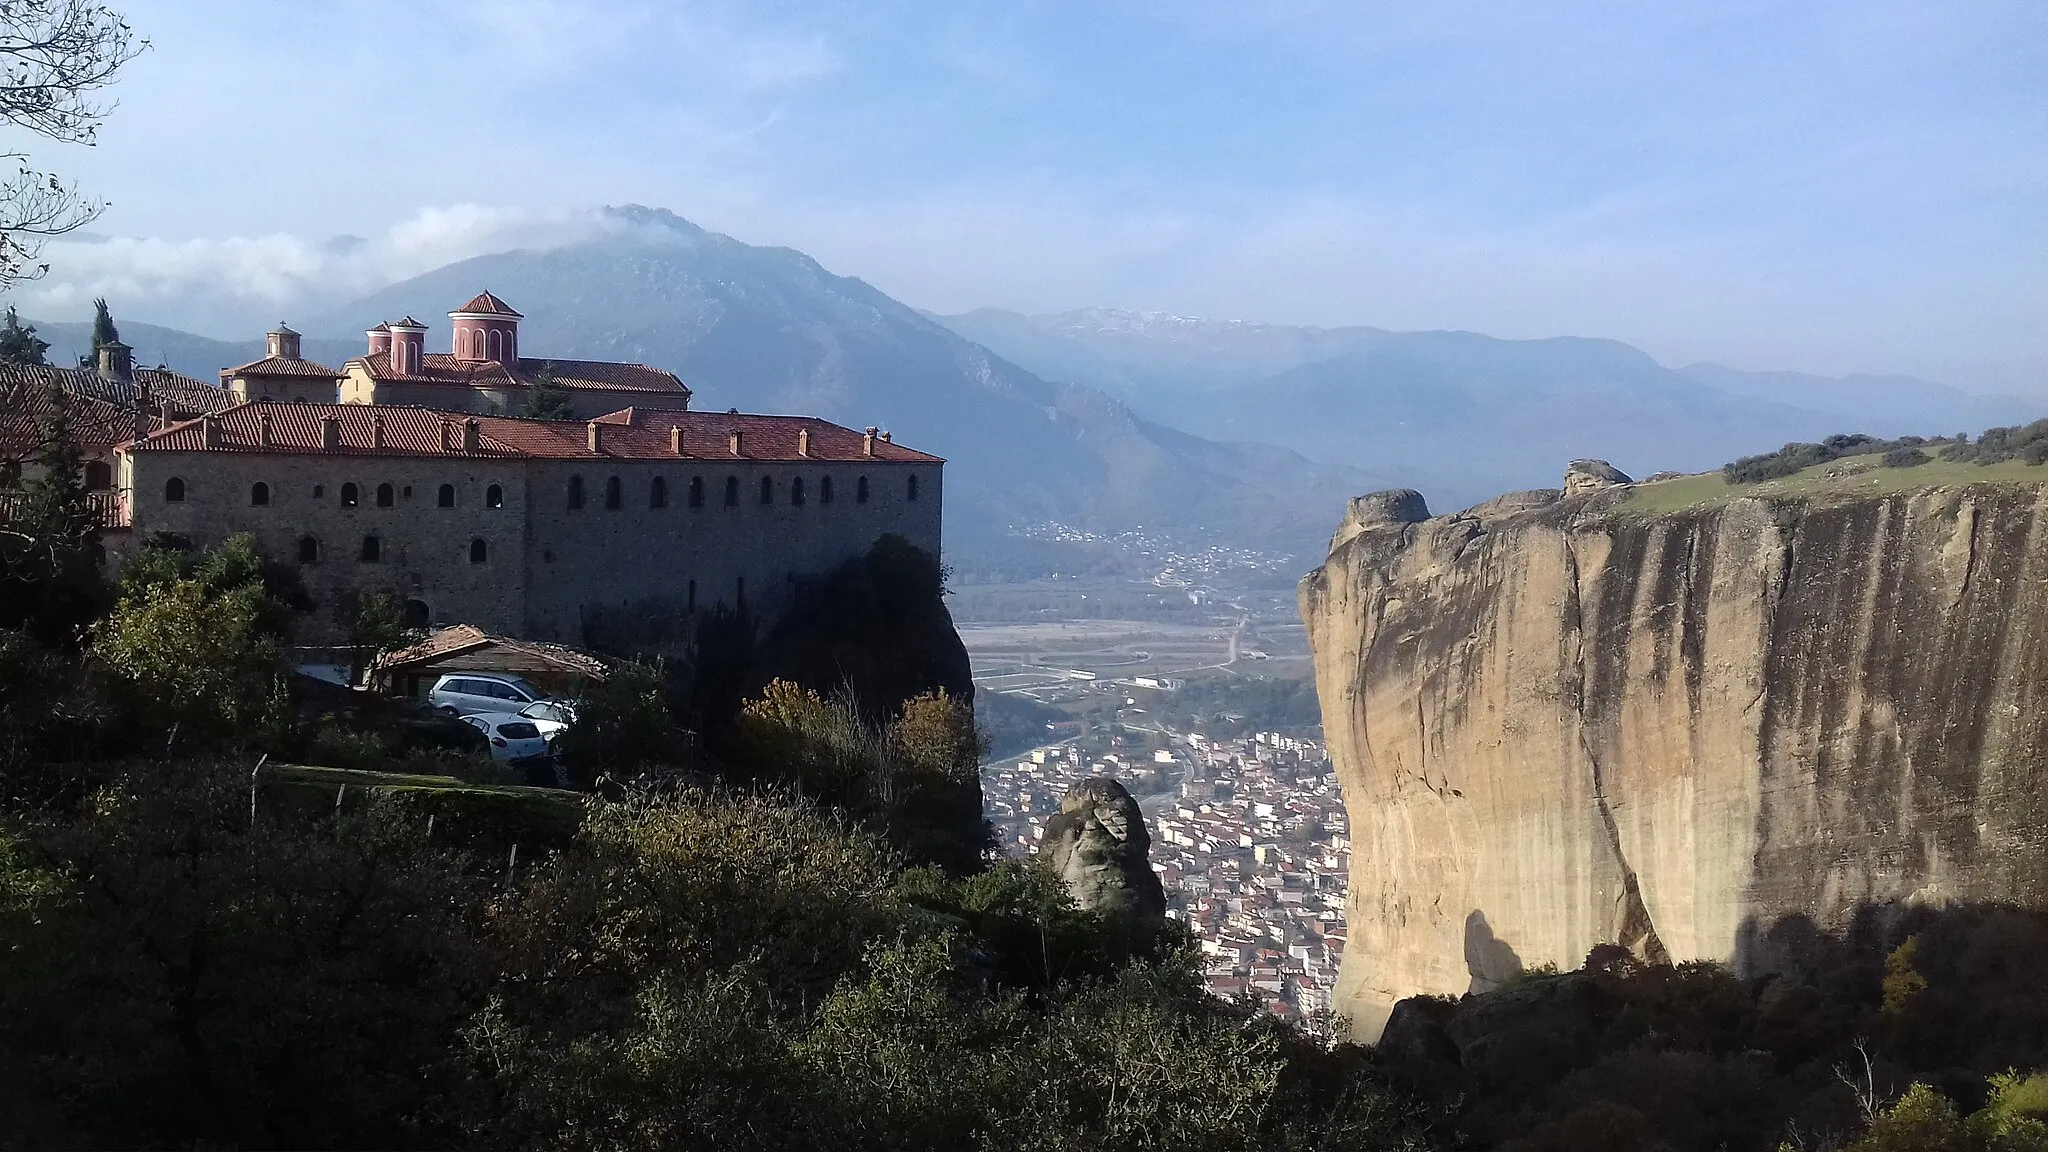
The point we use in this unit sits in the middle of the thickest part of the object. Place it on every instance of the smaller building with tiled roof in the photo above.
(556, 669)
(488, 372)
(283, 374)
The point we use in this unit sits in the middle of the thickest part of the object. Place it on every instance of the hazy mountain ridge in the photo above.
(1459, 414)
(769, 329)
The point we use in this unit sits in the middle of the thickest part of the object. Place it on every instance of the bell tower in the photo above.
(486, 328)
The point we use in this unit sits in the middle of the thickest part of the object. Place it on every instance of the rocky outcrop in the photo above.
(1583, 476)
(1561, 723)
(1098, 845)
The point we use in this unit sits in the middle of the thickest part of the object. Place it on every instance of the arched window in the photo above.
(309, 550)
(348, 495)
(575, 491)
(911, 489)
(445, 498)
(174, 490)
(767, 490)
(824, 489)
(860, 490)
(386, 496)
(259, 494)
(796, 490)
(732, 491)
(612, 498)
(372, 552)
(99, 476)
(657, 493)
(494, 496)
(479, 551)
(415, 614)
(696, 491)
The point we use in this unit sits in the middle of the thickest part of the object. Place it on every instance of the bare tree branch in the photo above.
(54, 54)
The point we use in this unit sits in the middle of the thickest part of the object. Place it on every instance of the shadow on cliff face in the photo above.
(1489, 960)
(1624, 1056)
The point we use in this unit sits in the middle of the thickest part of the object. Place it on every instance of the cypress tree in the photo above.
(547, 400)
(103, 330)
(19, 343)
(49, 573)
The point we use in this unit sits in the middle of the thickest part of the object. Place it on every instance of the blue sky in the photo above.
(1831, 187)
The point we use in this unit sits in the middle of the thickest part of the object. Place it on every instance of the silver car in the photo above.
(467, 693)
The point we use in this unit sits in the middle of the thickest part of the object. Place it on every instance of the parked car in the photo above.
(468, 693)
(552, 717)
(512, 738)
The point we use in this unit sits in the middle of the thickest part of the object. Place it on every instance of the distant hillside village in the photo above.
(481, 486)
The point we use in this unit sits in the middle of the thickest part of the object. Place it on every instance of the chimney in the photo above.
(282, 343)
(263, 430)
(209, 432)
(675, 439)
(472, 435)
(735, 441)
(448, 439)
(377, 430)
(330, 433)
(380, 339)
(803, 441)
(116, 361)
(596, 436)
(867, 441)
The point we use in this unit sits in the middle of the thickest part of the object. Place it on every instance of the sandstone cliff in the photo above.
(1693, 730)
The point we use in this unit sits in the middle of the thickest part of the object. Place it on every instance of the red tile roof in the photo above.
(96, 425)
(487, 303)
(280, 366)
(468, 637)
(171, 394)
(444, 368)
(630, 434)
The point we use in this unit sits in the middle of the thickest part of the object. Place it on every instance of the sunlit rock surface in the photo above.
(1566, 722)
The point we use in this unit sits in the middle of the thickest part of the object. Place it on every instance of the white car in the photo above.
(512, 737)
(552, 717)
(468, 693)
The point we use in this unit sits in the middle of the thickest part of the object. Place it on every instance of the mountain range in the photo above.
(1190, 430)
(1460, 415)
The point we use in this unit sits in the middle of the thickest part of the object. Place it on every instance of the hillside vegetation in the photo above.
(240, 912)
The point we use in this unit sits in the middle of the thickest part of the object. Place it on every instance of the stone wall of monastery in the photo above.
(547, 565)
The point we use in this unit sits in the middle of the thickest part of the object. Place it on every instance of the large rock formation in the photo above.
(1567, 721)
(1098, 844)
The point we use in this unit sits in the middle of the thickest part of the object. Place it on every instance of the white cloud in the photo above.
(223, 285)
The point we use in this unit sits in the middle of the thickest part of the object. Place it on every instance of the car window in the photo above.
(453, 685)
(501, 691)
(478, 723)
(541, 712)
(518, 730)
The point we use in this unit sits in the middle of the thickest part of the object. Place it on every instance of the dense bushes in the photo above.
(915, 775)
(704, 970)
(1621, 1057)
(2028, 443)
(1901, 453)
